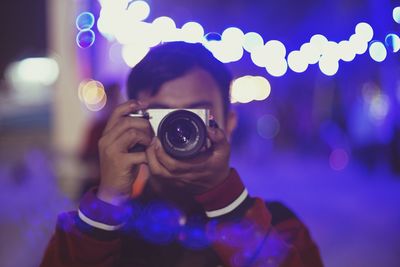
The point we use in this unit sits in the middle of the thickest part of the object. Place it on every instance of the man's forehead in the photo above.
(196, 88)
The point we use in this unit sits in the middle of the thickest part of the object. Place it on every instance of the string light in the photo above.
(124, 21)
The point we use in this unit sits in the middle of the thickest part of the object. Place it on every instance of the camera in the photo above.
(182, 132)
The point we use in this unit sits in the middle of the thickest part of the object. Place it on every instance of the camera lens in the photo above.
(182, 134)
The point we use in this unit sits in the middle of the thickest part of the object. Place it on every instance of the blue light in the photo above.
(85, 38)
(392, 42)
(377, 51)
(85, 21)
(396, 14)
(212, 36)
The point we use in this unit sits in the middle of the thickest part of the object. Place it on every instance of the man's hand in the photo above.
(196, 175)
(118, 167)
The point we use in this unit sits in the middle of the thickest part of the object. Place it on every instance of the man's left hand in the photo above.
(196, 175)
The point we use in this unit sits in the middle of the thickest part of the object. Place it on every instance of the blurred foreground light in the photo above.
(276, 49)
(92, 94)
(392, 42)
(396, 14)
(328, 65)
(33, 72)
(297, 62)
(192, 32)
(139, 10)
(364, 31)
(227, 51)
(133, 54)
(212, 36)
(85, 21)
(268, 126)
(338, 159)
(251, 41)
(379, 107)
(85, 38)
(248, 88)
(377, 51)
(318, 40)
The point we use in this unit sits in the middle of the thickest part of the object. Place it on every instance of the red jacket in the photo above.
(237, 231)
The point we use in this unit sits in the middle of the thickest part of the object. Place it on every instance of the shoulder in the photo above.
(280, 212)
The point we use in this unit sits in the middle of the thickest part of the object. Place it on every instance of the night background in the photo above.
(326, 145)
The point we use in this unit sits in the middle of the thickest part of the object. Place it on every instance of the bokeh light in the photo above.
(297, 62)
(165, 28)
(92, 94)
(377, 51)
(233, 35)
(277, 68)
(364, 31)
(338, 159)
(379, 107)
(268, 126)
(139, 10)
(396, 14)
(392, 42)
(192, 32)
(251, 41)
(346, 51)
(248, 88)
(328, 65)
(85, 21)
(85, 38)
(212, 36)
(133, 54)
(311, 52)
(359, 44)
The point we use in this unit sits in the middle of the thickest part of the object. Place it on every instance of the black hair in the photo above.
(172, 60)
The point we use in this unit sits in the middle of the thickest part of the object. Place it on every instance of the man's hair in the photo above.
(169, 61)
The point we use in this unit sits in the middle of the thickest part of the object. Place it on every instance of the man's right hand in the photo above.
(118, 167)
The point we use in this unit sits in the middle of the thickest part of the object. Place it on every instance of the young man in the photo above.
(191, 212)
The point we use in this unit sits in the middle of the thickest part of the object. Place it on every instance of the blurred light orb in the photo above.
(251, 41)
(233, 35)
(139, 10)
(297, 62)
(396, 14)
(328, 65)
(92, 92)
(346, 51)
(133, 54)
(276, 49)
(248, 88)
(229, 52)
(392, 42)
(277, 68)
(310, 53)
(338, 159)
(259, 56)
(365, 31)
(268, 126)
(377, 51)
(379, 107)
(318, 40)
(85, 38)
(33, 71)
(192, 32)
(359, 45)
(331, 49)
(165, 28)
(85, 21)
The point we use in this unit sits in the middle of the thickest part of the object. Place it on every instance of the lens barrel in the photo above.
(182, 134)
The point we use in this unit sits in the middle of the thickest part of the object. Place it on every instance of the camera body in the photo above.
(182, 132)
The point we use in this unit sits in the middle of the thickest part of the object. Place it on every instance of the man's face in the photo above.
(196, 89)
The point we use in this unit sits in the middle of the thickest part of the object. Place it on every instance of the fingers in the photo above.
(177, 167)
(126, 124)
(156, 168)
(217, 137)
(129, 138)
(121, 110)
